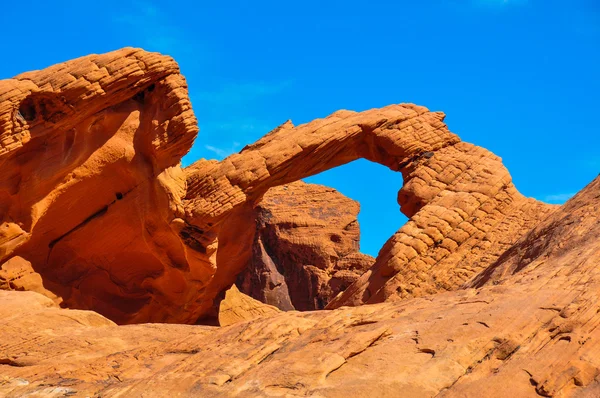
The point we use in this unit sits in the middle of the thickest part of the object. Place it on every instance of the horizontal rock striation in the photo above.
(96, 213)
(90, 192)
(463, 207)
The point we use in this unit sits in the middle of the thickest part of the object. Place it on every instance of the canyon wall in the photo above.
(306, 247)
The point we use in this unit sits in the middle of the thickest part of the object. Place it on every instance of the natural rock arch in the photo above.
(459, 197)
(162, 243)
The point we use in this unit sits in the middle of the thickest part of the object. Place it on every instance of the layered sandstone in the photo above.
(487, 293)
(90, 189)
(18, 274)
(306, 247)
(473, 215)
(534, 333)
(464, 209)
(93, 196)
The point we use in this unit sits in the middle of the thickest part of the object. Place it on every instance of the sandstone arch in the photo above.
(165, 242)
(459, 197)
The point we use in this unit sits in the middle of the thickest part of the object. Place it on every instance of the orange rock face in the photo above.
(17, 274)
(464, 210)
(306, 248)
(533, 332)
(95, 200)
(91, 184)
(482, 293)
(237, 307)
(473, 214)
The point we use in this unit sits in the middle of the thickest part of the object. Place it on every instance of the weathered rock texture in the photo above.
(95, 211)
(93, 197)
(306, 248)
(90, 186)
(463, 207)
(238, 307)
(530, 330)
(18, 274)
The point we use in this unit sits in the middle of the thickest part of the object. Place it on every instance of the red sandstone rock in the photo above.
(92, 197)
(95, 200)
(90, 186)
(238, 307)
(464, 210)
(306, 247)
(473, 215)
(17, 274)
(535, 334)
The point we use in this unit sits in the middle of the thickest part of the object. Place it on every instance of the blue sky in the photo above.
(519, 77)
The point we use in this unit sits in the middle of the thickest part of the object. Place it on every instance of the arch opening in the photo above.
(401, 138)
(309, 235)
(375, 188)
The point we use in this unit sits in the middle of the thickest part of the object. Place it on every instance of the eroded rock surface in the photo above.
(93, 197)
(90, 189)
(463, 207)
(18, 274)
(237, 307)
(306, 248)
(95, 211)
(473, 214)
(536, 333)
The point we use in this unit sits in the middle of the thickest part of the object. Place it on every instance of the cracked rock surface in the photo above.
(90, 186)
(533, 333)
(483, 292)
(306, 247)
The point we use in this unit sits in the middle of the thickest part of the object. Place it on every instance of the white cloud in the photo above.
(223, 152)
(227, 117)
(242, 126)
(220, 152)
(559, 198)
(219, 140)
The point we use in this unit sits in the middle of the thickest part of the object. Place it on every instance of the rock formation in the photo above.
(306, 248)
(90, 189)
(464, 210)
(531, 329)
(482, 293)
(237, 307)
(17, 274)
(93, 196)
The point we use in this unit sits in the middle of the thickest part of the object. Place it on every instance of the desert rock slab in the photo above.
(534, 334)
